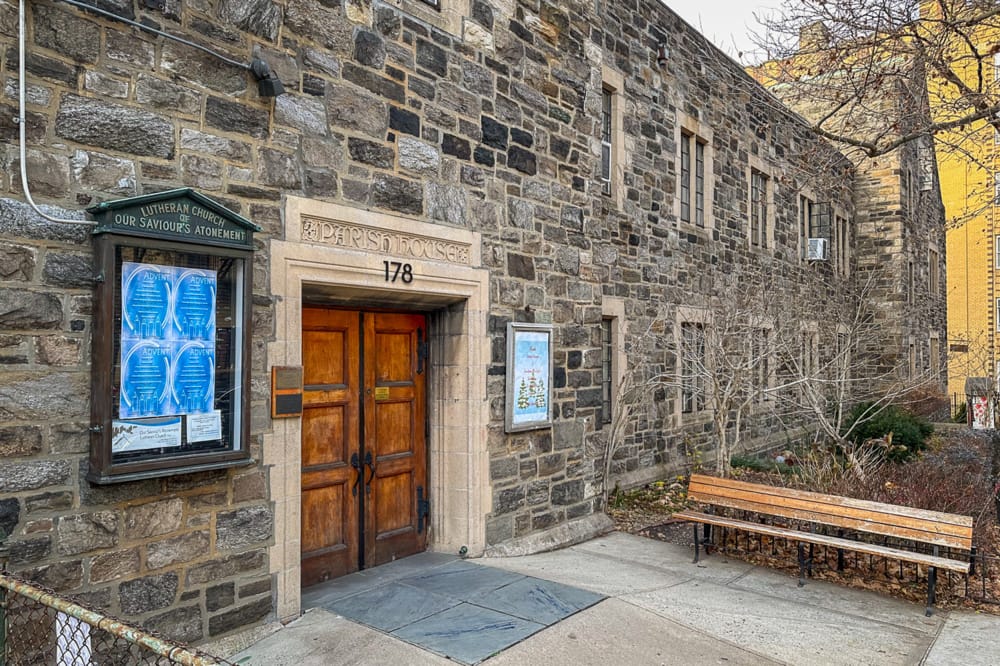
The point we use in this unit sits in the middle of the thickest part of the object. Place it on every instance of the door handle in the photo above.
(356, 464)
(371, 470)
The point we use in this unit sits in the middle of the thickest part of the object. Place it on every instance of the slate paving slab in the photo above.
(536, 600)
(463, 580)
(467, 633)
(391, 606)
(464, 611)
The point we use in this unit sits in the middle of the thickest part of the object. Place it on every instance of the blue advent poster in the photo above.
(531, 377)
(167, 340)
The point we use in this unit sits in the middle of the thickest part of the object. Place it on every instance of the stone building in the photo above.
(433, 172)
(900, 223)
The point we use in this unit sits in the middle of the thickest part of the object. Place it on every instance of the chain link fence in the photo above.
(40, 628)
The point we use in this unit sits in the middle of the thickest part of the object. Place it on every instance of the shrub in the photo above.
(961, 416)
(909, 432)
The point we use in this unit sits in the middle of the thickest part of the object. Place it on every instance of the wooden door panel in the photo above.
(330, 433)
(323, 533)
(323, 355)
(393, 503)
(394, 423)
(395, 408)
(392, 356)
(325, 436)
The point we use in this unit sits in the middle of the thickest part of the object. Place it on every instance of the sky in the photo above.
(726, 22)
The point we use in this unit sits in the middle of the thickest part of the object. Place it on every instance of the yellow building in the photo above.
(967, 171)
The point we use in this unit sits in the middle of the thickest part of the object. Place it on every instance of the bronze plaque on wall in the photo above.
(286, 391)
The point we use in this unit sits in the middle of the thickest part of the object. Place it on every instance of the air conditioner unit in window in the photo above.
(818, 249)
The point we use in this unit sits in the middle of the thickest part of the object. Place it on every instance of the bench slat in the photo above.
(867, 521)
(708, 482)
(820, 539)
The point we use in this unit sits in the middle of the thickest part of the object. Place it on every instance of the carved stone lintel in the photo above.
(372, 239)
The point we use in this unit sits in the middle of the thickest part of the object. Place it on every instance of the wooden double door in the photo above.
(364, 453)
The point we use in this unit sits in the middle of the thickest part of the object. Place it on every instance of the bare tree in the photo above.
(841, 370)
(714, 363)
(754, 354)
(881, 73)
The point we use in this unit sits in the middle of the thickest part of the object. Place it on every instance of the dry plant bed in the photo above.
(953, 476)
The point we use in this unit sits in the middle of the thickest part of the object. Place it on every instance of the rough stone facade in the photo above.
(900, 223)
(485, 119)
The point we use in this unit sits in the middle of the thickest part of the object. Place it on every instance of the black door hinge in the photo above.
(423, 350)
(423, 509)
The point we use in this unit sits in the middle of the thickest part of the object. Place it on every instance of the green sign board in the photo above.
(178, 215)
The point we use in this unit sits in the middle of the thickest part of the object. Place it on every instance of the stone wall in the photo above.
(900, 220)
(490, 123)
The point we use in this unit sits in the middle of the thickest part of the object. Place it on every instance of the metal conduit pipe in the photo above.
(23, 125)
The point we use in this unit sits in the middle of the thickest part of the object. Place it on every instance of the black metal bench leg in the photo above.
(802, 565)
(840, 553)
(696, 542)
(931, 584)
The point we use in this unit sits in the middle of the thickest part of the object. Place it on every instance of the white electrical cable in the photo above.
(22, 126)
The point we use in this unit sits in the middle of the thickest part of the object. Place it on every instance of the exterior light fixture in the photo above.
(662, 53)
(268, 83)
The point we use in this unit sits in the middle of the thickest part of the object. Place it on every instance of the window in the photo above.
(762, 364)
(996, 251)
(759, 226)
(810, 353)
(612, 357)
(607, 370)
(996, 188)
(606, 141)
(843, 362)
(820, 220)
(695, 173)
(436, 4)
(686, 177)
(612, 137)
(913, 360)
(699, 183)
(910, 282)
(933, 279)
(693, 364)
(693, 179)
(805, 214)
(912, 193)
(998, 313)
(843, 246)
(935, 356)
(904, 186)
(996, 66)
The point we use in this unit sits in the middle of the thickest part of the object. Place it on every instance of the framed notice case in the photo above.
(171, 353)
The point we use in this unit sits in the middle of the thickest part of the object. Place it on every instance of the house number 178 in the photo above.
(395, 270)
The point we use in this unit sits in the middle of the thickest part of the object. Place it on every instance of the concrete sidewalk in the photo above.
(662, 609)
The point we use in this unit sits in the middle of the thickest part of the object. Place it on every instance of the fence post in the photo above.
(3, 606)
(995, 469)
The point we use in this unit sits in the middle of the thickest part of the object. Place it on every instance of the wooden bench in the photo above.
(939, 530)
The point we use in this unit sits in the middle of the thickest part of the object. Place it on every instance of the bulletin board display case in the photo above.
(170, 382)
